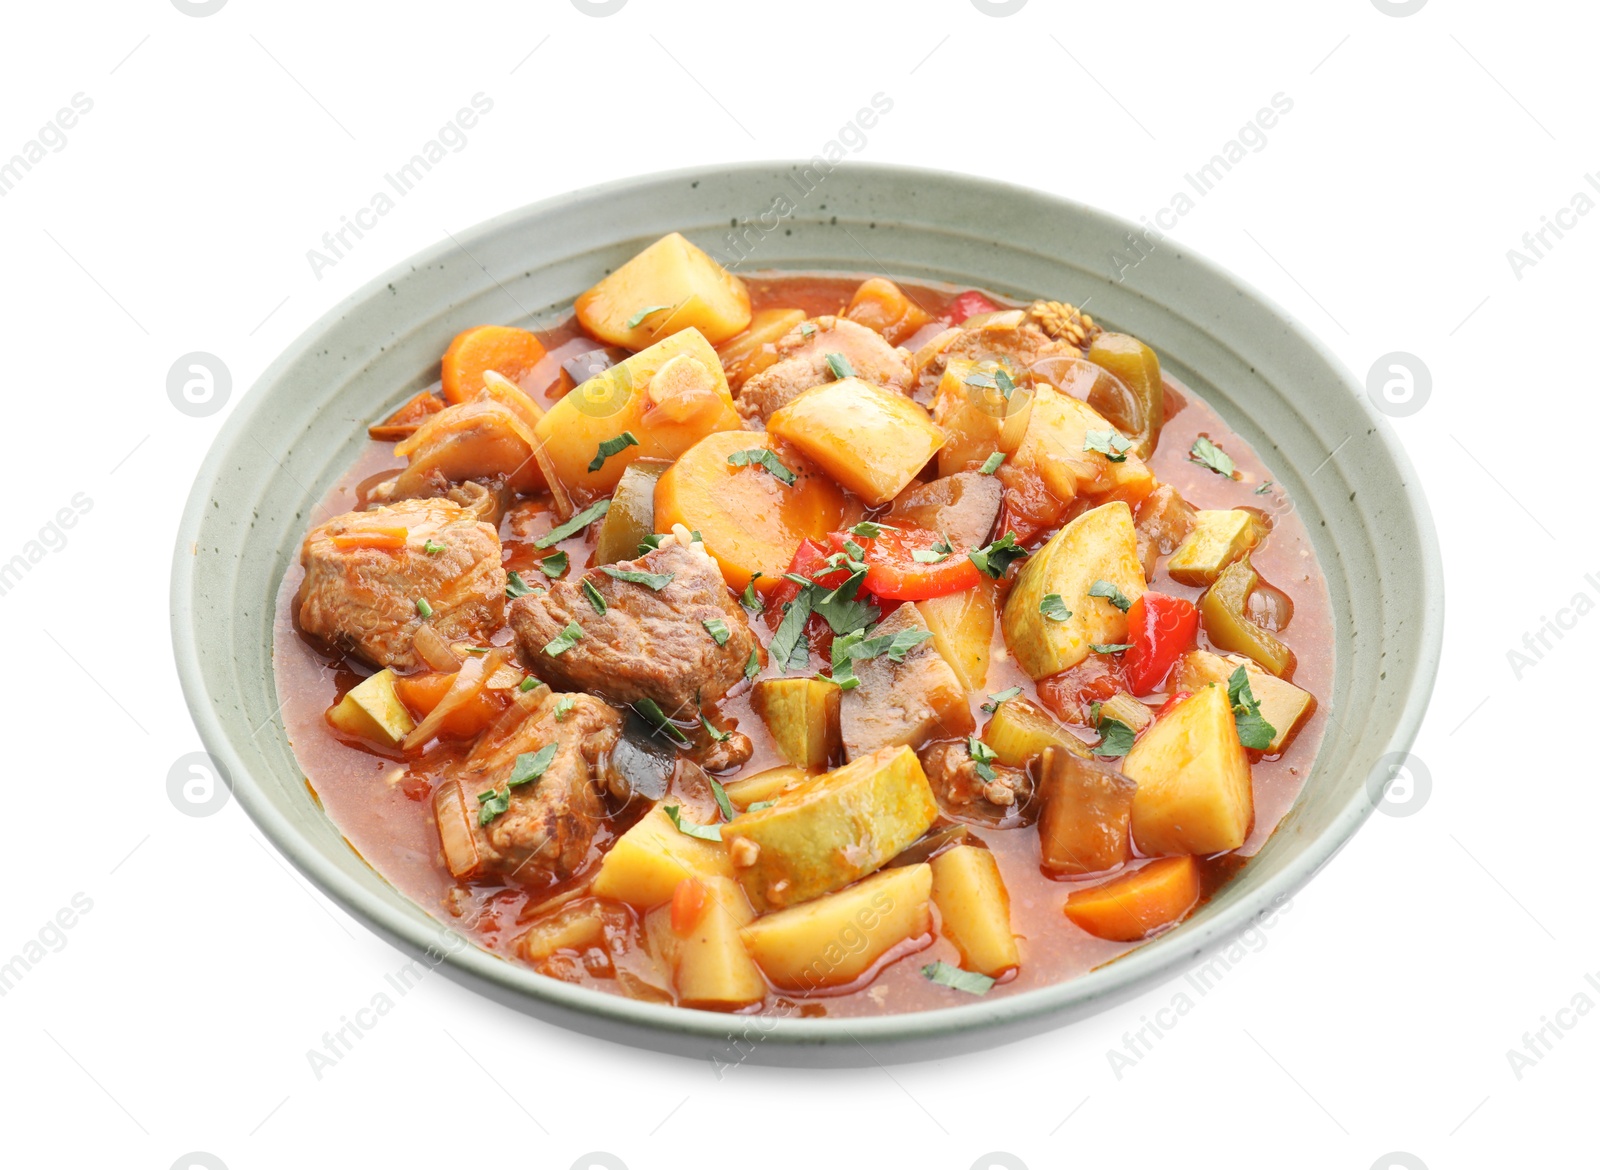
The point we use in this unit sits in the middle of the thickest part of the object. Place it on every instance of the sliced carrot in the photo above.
(1139, 904)
(509, 352)
(371, 538)
(688, 903)
(403, 423)
(421, 693)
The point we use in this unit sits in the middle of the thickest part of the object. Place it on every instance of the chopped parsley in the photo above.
(937, 554)
(650, 543)
(1116, 737)
(749, 598)
(424, 608)
(807, 329)
(597, 601)
(564, 706)
(763, 457)
(1254, 731)
(718, 629)
(997, 556)
(1110, 647)
(872, 529)
(720, 795)
(564, 641)
(689, 828)
(637, 320)
(610, 447)
(654, 581)
(528, 768)
(983, 758)
(992, 464)
(527, 684)
(1112, 444)
(759, 805)
(554, 565)
(1208, 454)
(711, 730)
(574, 526)
(1104, 588)
(752, 666)
(839, 366)
(516, 586)
(1054, 608)
(972, 982)
(432, 547)
(1004, 384)
(854, 647)
(650, 711)
(1000, 697)
(788, 646)
(1264, 488)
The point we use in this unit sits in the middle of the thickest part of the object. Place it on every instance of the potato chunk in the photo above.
(709, 964)
(871, 440)
(975, 910)
(372, 710)
(907, 702)
(1283, 704)
(836, 939)
(1218, 538)
(831, 830)
(963, 628)
(1087, 808)
(768, 785)
(1098, 546)
(1194, 793)
(803, 716)
(691, 402)
(686, 288)
(649, 860)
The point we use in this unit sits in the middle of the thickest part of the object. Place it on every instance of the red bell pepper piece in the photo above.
(968, 304)
(894, 573)
(1160, 629)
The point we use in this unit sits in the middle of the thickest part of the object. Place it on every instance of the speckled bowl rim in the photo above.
(912, 1035)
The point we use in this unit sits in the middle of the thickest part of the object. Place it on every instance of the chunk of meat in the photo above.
(964, 795)
(909, 702)
(1012, 336)
(366, 572)
(546, 831)
(803, 363)
(649, 643)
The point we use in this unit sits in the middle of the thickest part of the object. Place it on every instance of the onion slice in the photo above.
(455, 830)
(432, 648)
(469, 681)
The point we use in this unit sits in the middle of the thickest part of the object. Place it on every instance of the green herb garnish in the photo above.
(720, 795)
(1254, 731)
(1112, 444)
(749, 598)
(651, 712)
(759, 805)
(432, 547)
(610, 447)
(1111, 593)
(527, 684)
(597, 601)
(1208, 454)
(1000, 697)
(788, 646)
(554, 565)
(1054, 608)
(689, 828)
(718, 629)
(872, 529)
(752, 666)
(972, 982)
(1110, 647)
(711, 730)
(839, 366)
(574, 526)
(992, 464)
(763, 457)
(424, 608)
(564, 641)
(528, 768)
(637, 320)
(997, 556)
(1116, 737)
(655, 581)
(983, 758)
(564, 706)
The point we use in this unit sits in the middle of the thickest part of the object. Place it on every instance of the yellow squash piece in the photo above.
(803, 716)
(372, 710)
(1283, 704)
(576, 926)
(685, 287)
(1020, 731)
(836, 939)
(871, 440)
(963, 628)
(1098, 546)
(768, 785)
(832, 830)
(1218, 538)
(1194, 793)
(709, 964)
(691, 402)
(975, 910)
(649, 860)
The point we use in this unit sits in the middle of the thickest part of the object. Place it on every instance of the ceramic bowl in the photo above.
(291, 437)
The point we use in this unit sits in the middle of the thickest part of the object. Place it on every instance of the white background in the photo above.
(1377, 1017)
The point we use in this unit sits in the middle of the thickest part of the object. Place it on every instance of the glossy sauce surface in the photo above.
(383, 805)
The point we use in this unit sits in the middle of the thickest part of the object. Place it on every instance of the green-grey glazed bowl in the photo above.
(292, 437)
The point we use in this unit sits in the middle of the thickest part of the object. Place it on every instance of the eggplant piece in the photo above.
(642, 762)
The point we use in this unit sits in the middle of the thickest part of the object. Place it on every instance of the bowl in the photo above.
(292, 436)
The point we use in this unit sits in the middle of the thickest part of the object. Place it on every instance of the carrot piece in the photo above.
(1140, 904)
(509, 352)
(688, 904)
(421, 693)
(403, 423)
(391, 538)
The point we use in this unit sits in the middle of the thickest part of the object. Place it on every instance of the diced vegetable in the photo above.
(574, 926)
(670, 286)
(879, 304)
(1126, 709)
(1055, 445)
(765, 786)
(803, 716)
(907, 702)
(475, 707)
(371, 710)
(963, 629)
(1217, 539)
(756, 348)
(1194, 793)
(511, 353)
(975, 910)
(871, 440)
(1283, 704)
(971, 303)
(981, 411)
(1135, 364)
(1160, 628)
(481, 438)
(464, 703)
(1140, 904)
(964, 506)
(749, 519)
(1097, 546)
(708, 961)
(837, 938)
(1086, 808)
(910, 563)
(1224, 609)
(692, 402)
(632, 515)
(1021, 731)
(647, 862)
(832, 830)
